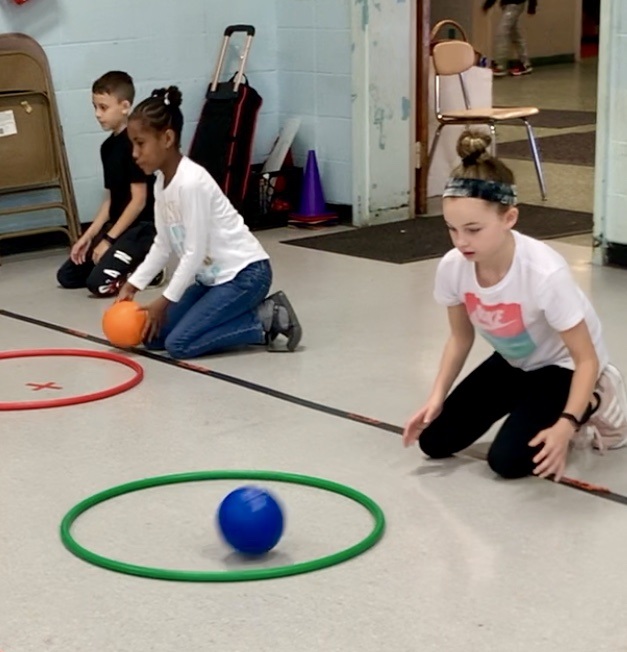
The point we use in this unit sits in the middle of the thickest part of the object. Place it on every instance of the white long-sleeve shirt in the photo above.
(195, 220)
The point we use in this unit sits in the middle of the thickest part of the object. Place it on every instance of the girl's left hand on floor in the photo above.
(155, 313)
(551, 459)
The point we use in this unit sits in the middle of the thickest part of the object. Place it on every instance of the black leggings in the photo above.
(532, 399)
(120, 260)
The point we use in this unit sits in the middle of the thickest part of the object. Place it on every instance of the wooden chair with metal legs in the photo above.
(455, 58)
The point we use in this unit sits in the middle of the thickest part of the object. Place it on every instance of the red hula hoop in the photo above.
(74, 400)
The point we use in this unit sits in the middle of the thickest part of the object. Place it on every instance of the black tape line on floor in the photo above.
(262, 389)
(590, 489)
(587, 487)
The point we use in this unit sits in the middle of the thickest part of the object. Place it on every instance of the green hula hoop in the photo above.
(223, 576)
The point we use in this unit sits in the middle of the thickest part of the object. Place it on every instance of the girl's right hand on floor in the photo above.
(420, 420)
(78, 253)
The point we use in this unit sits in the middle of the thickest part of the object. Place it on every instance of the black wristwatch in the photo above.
(573, 419)
(108, 238)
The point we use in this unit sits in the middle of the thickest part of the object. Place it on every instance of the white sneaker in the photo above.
(608, 423)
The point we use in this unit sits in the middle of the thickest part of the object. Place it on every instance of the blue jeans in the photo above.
(213, 318)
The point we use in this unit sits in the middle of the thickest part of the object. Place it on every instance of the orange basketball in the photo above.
(123, 324)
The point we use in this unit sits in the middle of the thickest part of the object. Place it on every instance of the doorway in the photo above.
(590, 20)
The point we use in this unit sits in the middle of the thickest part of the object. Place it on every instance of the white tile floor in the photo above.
(468, 562)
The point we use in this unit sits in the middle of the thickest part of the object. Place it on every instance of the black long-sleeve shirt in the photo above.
(530, 9)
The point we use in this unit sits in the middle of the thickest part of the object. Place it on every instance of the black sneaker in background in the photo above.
(158, 280)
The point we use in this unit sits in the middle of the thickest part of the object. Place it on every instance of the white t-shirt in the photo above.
(523, 314)
(195, 220)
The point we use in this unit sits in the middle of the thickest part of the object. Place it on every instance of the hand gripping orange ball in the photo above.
(123, 323)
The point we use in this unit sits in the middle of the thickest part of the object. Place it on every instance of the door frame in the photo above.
(420, 157)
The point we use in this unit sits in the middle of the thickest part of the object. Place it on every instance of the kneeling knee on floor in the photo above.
(104, 282)
(66, 283)
(177, 348)
(432, 448)
(101, 285)
(509, 465)
(99, 290)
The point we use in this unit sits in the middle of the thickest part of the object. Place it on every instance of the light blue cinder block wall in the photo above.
(300, 63)
(314, 60)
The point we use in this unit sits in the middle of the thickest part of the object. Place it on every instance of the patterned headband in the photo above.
(492, 191)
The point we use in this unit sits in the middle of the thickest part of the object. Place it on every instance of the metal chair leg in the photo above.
(493, 132)
(434, 144)
(536, 158)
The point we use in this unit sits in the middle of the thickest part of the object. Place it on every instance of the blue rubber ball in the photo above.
(250, 520)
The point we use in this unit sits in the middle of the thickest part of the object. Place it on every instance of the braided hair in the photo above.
(161, 111)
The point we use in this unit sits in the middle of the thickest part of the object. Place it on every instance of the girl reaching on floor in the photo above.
(216, 298)
(549, 373)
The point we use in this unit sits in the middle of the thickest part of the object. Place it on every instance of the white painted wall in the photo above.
(610, 209)
(382, 112)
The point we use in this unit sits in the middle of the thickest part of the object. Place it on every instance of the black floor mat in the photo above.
(558, 119)
(571, 149)
(427, 237)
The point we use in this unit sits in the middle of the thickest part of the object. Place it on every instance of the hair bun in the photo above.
(171, 96)
(174, 96)
(473, 147)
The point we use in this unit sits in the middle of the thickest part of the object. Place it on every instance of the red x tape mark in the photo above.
(37, 386)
